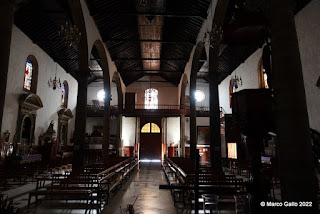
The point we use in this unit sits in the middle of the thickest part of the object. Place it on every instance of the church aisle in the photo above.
(142, 189)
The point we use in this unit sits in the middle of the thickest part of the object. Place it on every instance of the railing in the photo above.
(96, 108)
(142, 106)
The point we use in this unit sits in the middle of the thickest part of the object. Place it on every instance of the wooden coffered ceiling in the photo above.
(152, 39)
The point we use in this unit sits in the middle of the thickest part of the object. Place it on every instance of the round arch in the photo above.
(106, 85)
(117, 80)
(184, 83)
(193, 81)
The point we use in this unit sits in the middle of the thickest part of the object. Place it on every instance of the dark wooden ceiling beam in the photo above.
(164, 59)
(150, 40)
(201, 16)
(152, 72)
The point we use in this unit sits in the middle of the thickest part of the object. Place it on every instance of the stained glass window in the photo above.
(234, 88)
(155, 128)
(101, 95)
(263, 76)
(28, 75)
(151, 98)
(146, 128)
(199, 95)
(150, 128)
(63, 95)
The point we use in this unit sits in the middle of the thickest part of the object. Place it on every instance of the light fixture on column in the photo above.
(70, 34)
(213, 37)
(54, 83)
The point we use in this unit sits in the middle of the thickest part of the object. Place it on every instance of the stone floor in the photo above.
(142, 190)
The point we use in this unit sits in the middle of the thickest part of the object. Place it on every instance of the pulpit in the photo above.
(252, 112)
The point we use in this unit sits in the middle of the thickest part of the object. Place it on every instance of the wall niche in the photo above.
(64, 115)
(24, 136)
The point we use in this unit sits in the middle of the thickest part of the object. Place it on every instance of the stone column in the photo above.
(79, 134)
(7, 16)
(215, 132)
(106, 127)
(296, 167)
(119, 128)
(193, 119)
(182, 134)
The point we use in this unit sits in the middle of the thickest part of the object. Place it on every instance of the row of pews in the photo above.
(217, 190)
(13, 175)
(91, 188)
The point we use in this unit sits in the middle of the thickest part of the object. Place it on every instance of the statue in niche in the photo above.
(49, 148)
(50, 135)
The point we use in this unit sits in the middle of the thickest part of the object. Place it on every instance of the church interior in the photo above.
(159, 106)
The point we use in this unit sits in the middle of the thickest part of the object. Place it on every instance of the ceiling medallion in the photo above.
(213, 37)
(70, 34)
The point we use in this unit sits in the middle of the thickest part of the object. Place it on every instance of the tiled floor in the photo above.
(142, 190)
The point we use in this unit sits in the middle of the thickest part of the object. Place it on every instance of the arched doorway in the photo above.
(150, 139)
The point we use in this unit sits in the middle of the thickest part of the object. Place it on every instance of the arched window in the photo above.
(150, 128)
(199, 96)
(151, 98)
(232, 89)
(263, 77)
(65, 94)
(30, 75)
(101, 95)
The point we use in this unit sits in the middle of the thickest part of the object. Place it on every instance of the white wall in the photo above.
(95, 87)
(248, 71)
(21, 48)
(128, 131)
(200, 121)
(308, 30)
(173, 130)
(167, 93)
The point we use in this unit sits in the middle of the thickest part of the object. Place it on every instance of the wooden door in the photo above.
(150, 146)
(150, 138)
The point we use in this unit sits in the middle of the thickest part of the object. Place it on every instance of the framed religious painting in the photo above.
(203, 133)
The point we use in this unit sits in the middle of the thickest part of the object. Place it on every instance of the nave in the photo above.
(224, 93)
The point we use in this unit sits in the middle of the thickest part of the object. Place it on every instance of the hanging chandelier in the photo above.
(235, 82)
(54, 83)
(213, 37)
(70, 34)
